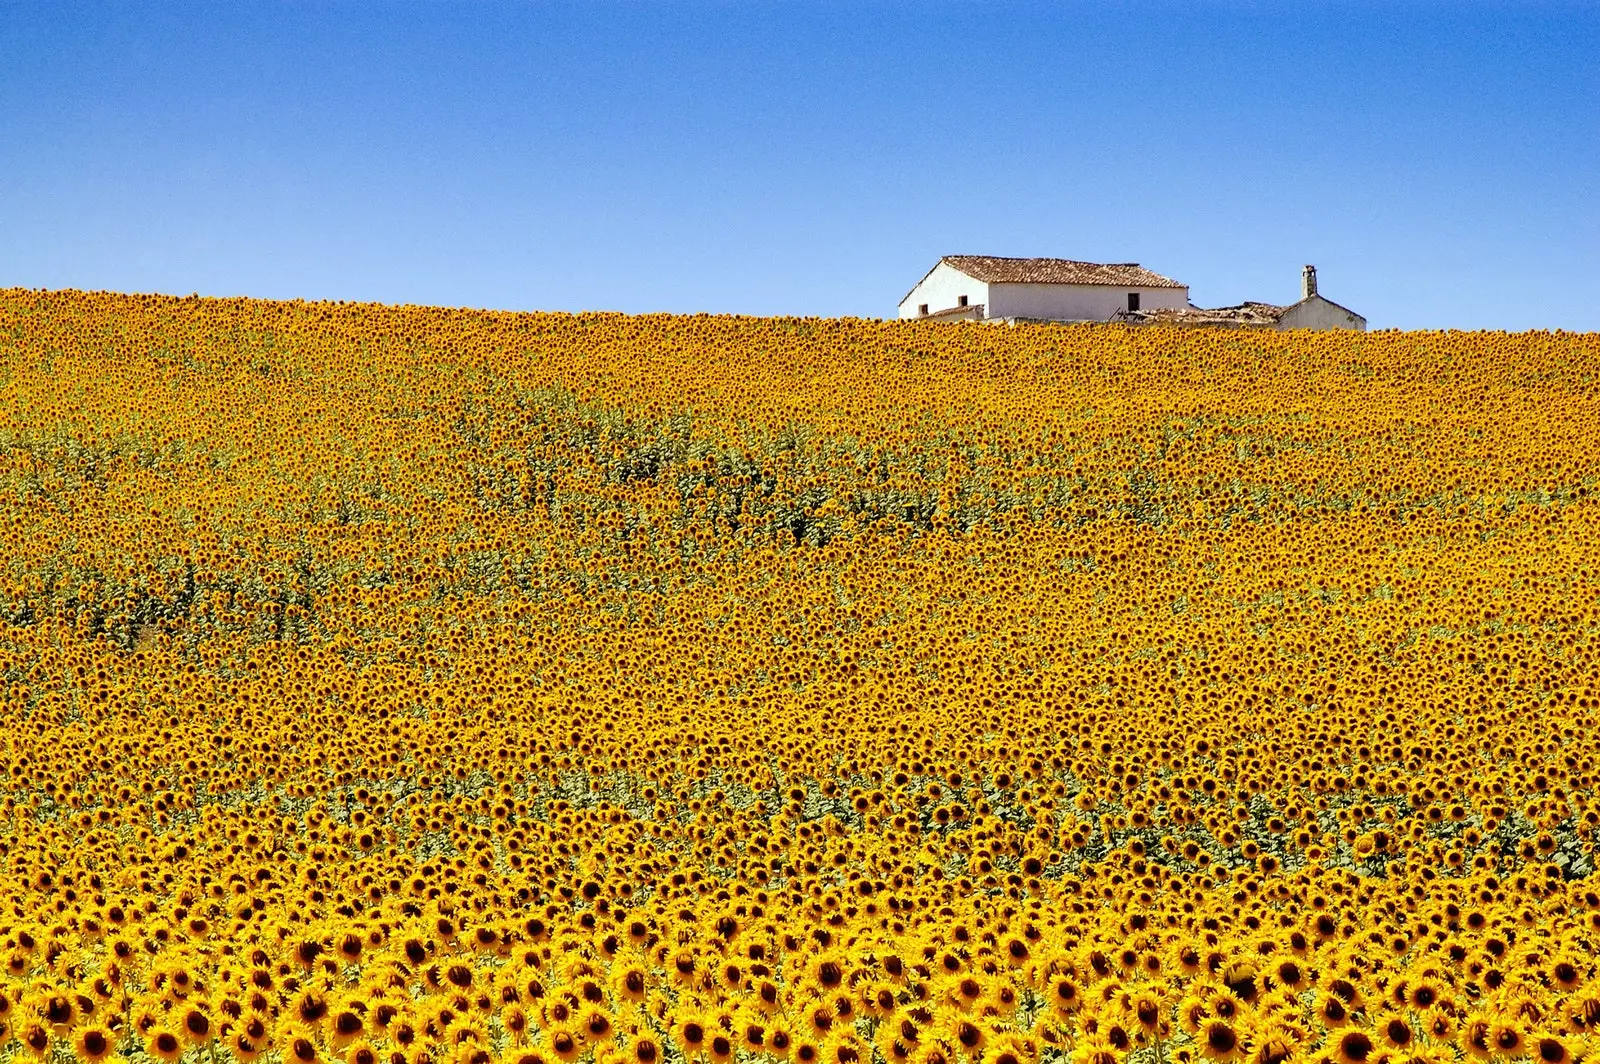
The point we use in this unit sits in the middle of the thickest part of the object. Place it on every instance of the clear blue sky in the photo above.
(1440, 163)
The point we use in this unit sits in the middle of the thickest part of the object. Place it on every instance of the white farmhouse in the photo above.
(984, 287)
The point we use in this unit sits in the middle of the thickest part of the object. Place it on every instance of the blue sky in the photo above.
(1439, 163)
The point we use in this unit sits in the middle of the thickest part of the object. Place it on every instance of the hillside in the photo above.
(390, 679)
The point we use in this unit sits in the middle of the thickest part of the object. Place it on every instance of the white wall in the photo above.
(1318, 313)
(1085, 302)
(940, 290)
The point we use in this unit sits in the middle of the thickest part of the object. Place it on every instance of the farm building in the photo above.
(988, 288)
(1313, 311)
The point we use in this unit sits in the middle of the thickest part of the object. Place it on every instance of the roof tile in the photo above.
(991, 269)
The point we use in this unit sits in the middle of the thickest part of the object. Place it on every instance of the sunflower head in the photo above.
(1219, 1039)
(94, 1043)
(164, 1044)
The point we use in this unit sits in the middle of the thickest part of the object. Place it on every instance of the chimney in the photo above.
(1308, 282)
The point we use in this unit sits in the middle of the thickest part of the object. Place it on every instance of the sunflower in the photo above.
(346, 1024)
(1065, 995)
(309, 1007)
(164, 1044)
(1477, 1035)
(1550, 1049)
(644, 1049)
(595, 1025)
(564, 1043)
(1332, 1011)
(1218, 1039)
(819, 1019)
(967, 1034)
(1336, 984)
(1394, 1032)
(844, 1047)
(893, 1050)
(1149, 1012)
(1224, 1003)
(690, 1031)
(197, 1025)
(145, 1018)
(1506, 1038)
(307, 949)
(752, 1031)
(1425, 994)
(877, 997)
(683, 970)
(1434, 1053)
(1566, 973)
(719, 1046)
(630, 982)
(1090, 1049)
(1289, 973)
(1353, 1047)
(1193, 1011)
(828, 970)
(59, 1011)
(515, 1020)
(94, 1043)
(767, 996)
(245, 1048)
(965, 991)
(1011, 1048)
(403, 1034)
(1241, 979)
(463, 1034)
(1276, 1044)
(299, 1049)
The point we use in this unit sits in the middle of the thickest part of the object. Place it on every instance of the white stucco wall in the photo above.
(941, 290)
(1079, 302)
(1318, 313)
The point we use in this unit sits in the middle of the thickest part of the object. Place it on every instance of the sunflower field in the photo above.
(395, 685)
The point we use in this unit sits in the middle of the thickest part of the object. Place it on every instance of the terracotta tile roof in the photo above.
(993, 270)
